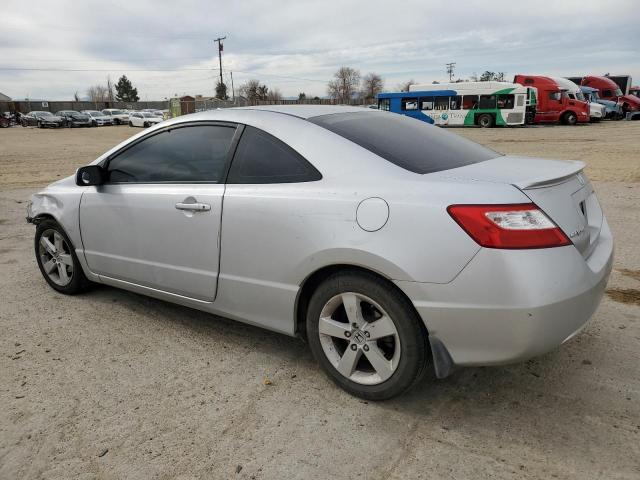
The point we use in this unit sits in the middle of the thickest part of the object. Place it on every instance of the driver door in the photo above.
(156, 221)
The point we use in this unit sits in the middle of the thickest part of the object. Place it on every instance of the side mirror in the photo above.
(91, 175)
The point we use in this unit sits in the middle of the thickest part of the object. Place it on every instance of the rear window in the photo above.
(406, 142)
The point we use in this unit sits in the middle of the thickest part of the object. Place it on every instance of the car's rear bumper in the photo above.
(510, 305)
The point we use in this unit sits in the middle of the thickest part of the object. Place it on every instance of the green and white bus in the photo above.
(464, 104)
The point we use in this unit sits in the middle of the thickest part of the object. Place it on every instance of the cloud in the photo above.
(296, 46)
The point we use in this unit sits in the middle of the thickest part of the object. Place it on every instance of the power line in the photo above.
(117, 69)
(125, 69)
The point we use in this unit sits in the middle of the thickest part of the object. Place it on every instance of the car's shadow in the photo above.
(467, 389)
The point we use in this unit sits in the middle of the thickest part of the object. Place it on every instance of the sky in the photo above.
(52, 49)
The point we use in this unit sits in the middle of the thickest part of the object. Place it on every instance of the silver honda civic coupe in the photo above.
(390, 245)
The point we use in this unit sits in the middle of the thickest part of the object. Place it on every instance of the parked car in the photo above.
(71, 118)
(386, 242)
(613, 110)
(40, 119)
(98, 119)
(143, 119)
(609, 90)
(120, 117)
(553, 103)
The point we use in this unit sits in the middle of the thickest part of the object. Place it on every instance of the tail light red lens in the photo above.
(512, 226)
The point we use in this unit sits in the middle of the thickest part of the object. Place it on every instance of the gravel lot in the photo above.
(113, 385)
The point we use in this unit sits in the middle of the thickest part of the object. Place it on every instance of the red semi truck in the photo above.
(554, 104)
(609, 90)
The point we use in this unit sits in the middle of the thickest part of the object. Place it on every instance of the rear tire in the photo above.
(57, 259)
(569, 118)
(485, 120)
(130, 124)
(145, 125)
(387, 330)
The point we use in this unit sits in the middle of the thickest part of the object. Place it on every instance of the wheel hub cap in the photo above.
(359, 338)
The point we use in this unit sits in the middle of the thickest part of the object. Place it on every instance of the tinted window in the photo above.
(426, 103)
(187, 154)
(411, 144)
(441, 103)
(487, 101)
(506, 101)
(409, 104)
(470, 102)
(262, 158)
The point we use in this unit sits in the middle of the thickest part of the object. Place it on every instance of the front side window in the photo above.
(556, 96)
(409, 104)
(262, 158)
(196, 153)
(410, 144)
(455, 102)
(607, 93)
(506, 101)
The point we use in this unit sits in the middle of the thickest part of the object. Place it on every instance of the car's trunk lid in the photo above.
(559, 188)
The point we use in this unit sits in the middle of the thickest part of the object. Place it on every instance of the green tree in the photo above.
(126, 91)
(221, 91)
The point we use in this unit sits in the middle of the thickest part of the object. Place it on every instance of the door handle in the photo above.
(194, 207)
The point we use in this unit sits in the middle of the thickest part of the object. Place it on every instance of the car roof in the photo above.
(306, 111)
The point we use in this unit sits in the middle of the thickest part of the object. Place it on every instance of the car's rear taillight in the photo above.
(521, 225)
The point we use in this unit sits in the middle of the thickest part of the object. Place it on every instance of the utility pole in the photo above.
(450, 67)
(233, 92)
(220, 47)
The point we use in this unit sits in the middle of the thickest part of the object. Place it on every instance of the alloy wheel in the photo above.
(359, 338)
(55, 257)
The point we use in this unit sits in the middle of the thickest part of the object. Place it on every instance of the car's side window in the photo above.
(196, 153)
(262, 158)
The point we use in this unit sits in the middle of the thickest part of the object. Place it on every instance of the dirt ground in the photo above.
(113, 385)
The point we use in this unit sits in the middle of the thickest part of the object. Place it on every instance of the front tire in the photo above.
(57, 259)
(366, 335)
(570, 118)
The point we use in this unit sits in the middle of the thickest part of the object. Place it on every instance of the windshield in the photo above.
(44, 114)
(147, 114)
(408, 143)
(116, 112)
(95, 113)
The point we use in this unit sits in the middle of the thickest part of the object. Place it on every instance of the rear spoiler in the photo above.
(562, 174)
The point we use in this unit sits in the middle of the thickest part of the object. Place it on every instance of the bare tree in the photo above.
(344, 84)
(274, 95)
(76, 96)
(404, 87)
(253, 91)
(98, 93)
(372, 85)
